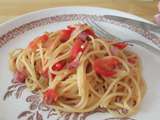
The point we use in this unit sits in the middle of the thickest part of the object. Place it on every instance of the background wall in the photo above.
(12, 8)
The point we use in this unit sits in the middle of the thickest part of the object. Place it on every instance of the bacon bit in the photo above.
(132, 60)
(40, 70)
(37, 88)
(114, 50)
(20, 76)
(121, 45)
(74, 64)
(38, 67)
(46, 75)
(60, 85)
(83, 35)
(50, 96)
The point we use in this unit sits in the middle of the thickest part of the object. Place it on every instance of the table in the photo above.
(11, 8)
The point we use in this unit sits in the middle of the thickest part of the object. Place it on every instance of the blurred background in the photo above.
(12, 8)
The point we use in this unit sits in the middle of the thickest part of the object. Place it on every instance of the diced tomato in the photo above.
(53, 75)
(66, 33)
(58, 66)
(73, 64)
(77, 47)
(104, 72)
(33, 44)
(44, 38)
(50, 96)
(121, 45)
(105, 66)
(20, 76)
(81, 43)
(112, 62)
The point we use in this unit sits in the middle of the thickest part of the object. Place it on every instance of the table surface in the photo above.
(11, 8)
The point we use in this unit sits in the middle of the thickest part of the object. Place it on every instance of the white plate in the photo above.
(18, 32)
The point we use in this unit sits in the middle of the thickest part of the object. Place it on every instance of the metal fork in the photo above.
(100, 31)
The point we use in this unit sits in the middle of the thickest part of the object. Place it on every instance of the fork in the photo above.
(100, 31)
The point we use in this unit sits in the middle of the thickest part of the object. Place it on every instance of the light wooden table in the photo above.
(12, 8)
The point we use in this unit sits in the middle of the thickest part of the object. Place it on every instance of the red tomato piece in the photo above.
(50, 96)
(76, 48)
(65, 34)
(58, 66)
(44, 38)
(105, 66)
(80, 43)
(104, 72)
(121, 45)
(53, 76)
(112, 62)
(33, 44)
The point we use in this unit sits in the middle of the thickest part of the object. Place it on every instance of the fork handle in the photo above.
(145, 45)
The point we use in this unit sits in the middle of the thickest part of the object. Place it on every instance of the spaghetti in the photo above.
(76, 71)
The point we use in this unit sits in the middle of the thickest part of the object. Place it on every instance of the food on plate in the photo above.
(74, 70)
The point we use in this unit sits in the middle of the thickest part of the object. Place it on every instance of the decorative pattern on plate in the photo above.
(37, 107)
(71, 17)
